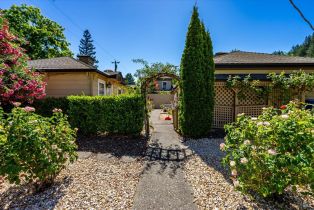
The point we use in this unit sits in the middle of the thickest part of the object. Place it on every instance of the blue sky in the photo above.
(155, 30)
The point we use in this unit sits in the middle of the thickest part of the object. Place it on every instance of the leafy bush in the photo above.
(34, 148)
(123, 114)
(17, 82)
(269, 153)
(44, 106)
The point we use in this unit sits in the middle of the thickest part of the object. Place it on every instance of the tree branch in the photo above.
(301, 14)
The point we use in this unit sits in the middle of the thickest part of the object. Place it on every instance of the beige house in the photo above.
(68, 76)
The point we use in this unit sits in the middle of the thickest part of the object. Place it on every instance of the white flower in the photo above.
(284, 116)
(54, 146)
(254, 147)
(236, 183)
(254, 118)
(272, 152)
(312, 131)
(222, 146)
(234, 172)
(264, 108)
(244, 160)
(247, 142)
(266, 123)
(259, 123)
(232, 163)
(241, 114)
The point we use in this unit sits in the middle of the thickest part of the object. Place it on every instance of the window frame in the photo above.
(100, 81)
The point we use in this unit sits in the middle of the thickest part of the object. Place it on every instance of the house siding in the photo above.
(64, 84)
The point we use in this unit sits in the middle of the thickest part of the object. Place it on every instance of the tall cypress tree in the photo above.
(197, 81)
(87, 47)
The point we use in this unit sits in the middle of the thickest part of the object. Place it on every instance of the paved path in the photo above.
(162, 185)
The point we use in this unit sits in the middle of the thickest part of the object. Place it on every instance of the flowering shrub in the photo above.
(17, 82)
(269, 153)
(34, 148)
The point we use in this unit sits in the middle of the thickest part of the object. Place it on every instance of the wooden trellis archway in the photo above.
(144, 86)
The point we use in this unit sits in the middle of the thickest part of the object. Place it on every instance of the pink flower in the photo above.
(16, 104)
(244, 160)
(222, 146)
(56, 110)
(272, 152)
(234, 172)
(29, 109)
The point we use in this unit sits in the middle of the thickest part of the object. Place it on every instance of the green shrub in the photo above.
(123, 114)
(272, 152)
(34, 148)
(197, 81)
(45, 106)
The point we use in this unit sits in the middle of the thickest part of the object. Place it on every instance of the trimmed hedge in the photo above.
(45, 106)
(122, 114)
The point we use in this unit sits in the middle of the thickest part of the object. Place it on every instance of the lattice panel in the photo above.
(251, 98)
(252, 111)
(223, 96)
(222, 115)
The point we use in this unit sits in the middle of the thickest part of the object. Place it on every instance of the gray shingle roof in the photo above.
(240, 57)
(60, 63)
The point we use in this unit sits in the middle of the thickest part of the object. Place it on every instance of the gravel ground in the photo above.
(107, 180)
(212, 187)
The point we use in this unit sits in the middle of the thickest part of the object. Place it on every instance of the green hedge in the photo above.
(45, 106)
(122, 114)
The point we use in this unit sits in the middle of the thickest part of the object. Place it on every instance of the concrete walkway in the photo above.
(162, 185)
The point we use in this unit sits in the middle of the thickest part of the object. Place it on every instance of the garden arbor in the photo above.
(144, 87)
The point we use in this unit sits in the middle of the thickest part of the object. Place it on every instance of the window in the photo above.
(119, 91)
(164, 85)
(101, 87)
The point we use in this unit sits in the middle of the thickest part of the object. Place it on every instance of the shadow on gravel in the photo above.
(117, 146)
(22, 197)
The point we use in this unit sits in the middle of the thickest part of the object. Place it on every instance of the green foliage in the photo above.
(129, 79)
(34, 148)
(87, 47)
(279, 52)
(45, 38)
(123, 114)
(149, 70)
(272, 152)
(197, 81)
(243, 85)
(44, 106)
(306, 49)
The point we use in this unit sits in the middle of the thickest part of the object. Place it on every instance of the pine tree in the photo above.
(197, 81)
(87, 47)
(306, 49)
(129, 79)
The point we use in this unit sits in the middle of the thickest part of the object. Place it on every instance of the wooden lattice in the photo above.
(251, 98)
(223, 95)
(252, 111)
(223, 115)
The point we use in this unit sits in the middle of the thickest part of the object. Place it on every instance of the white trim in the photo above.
(100, 81)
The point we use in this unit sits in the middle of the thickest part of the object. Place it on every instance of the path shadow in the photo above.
(117, 146)
(21, 197)
(163, 167)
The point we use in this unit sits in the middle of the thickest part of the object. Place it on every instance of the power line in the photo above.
(81, 29)
(301, 14)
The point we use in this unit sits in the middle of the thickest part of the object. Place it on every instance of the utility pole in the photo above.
(115, 65)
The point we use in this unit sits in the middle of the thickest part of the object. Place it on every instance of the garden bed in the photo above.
(106, 179)
(212, 187)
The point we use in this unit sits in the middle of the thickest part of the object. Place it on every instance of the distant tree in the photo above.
(87, 47)
(129, 79)
(44, 37)
(148, 70)
(279, 52)
(197, 81)
(306, 49)
(235, 50)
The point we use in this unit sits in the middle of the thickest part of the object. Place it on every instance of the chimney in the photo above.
(86, 59)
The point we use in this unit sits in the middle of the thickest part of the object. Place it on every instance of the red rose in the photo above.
(283, 107)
